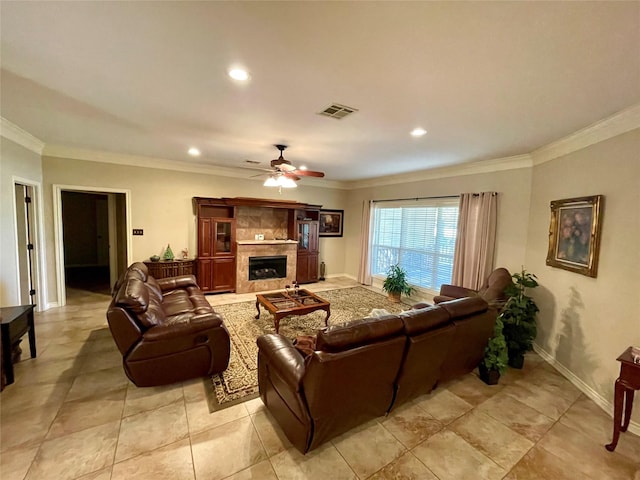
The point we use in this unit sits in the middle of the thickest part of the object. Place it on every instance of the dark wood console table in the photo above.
(626, 385)
(15, 321)
(171, 268)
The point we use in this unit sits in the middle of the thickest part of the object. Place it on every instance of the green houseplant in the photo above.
(494, 362)
(396, 283)
(519, 317)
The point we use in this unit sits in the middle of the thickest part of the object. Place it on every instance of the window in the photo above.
(419, 235)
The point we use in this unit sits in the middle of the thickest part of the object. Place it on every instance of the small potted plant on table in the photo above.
(396, 283)
(519, 318)
(494, 362)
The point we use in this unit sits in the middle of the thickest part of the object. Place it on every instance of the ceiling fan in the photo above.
(284, 174)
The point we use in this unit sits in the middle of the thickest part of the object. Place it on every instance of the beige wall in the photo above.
(585, 323)
(15, 161)
(513, 186)
(161, 203)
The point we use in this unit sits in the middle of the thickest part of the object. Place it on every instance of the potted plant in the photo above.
(494, 362)
(396, 283)
(519, 317)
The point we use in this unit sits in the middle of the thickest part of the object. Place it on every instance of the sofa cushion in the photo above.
(154, 288)
(133, 295)
(463, 307)
(424, 319)
(177, 302)
(338, 338)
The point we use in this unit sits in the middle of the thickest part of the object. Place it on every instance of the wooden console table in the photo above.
(16, 321)
(171, 268)
(626, 385)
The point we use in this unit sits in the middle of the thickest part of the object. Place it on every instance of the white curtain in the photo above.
(364, 272)
(473, 259)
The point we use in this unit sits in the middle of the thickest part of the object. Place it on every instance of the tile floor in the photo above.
(72, 414)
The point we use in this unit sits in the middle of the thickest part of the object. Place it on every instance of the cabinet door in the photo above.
(205, 237)
(314, 228)
(308, 236)
(224, 237)
(224, 274)
(312, 267)
(302, 268)
(205, 274)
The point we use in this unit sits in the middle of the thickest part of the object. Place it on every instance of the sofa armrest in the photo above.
(173, 283)
(283, 358)
(455, 291)
(196, 324)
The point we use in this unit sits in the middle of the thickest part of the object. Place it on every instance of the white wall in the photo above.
(15, 161)
(513, 187)
(161, 203)
(585, 323)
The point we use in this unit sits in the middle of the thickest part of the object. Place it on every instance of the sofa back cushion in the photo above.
(339, 338)
(424, 319)
(465, 307)
(134, 296)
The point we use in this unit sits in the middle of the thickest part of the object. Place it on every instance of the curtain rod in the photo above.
(415, 198)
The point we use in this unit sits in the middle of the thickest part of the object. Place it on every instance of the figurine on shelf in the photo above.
(185, 253)
(168, 254)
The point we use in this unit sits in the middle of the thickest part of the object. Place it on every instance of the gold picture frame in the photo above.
(574, 234)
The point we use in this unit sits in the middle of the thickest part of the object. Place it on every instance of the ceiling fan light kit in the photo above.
(285, 175)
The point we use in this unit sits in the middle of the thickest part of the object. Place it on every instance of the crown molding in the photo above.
(617, 124)
(14, 133)
(59, 151)
(473, 168)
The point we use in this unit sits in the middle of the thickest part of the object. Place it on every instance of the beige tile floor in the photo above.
(72, 414)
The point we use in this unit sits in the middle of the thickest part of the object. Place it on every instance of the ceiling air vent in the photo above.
(337, 111)
(252, 162)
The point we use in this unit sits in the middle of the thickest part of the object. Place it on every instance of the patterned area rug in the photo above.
(240, 381)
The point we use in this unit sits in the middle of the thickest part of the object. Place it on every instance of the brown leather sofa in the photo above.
(493, 289)
(364, 369)
(165, 329)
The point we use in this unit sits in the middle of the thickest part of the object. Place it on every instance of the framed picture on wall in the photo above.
(331, 223)
(574, 234)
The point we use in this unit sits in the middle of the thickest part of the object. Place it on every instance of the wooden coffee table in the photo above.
(283, 304)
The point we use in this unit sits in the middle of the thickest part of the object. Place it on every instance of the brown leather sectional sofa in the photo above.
(165, 329)
(366, 368)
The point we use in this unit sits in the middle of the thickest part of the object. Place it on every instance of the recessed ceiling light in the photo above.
(239, 74)
(194, 152)
(418, 132)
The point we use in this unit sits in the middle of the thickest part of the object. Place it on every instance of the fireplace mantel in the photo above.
(264, 242)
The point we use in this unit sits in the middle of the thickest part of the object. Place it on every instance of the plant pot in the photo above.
(395, 297)
(516, 359)
(490, 377)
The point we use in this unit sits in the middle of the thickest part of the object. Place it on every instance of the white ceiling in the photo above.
(487, 80)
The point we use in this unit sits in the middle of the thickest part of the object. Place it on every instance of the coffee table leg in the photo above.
(276, 322)
(258, 308)
(6, 353)
(326, 320)
(32, 334)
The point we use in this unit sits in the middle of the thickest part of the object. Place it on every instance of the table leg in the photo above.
(326, 320)
(617, 415)
(32, 334)
(276, 322)
(7, 353)
(258, 308)
(628, 406)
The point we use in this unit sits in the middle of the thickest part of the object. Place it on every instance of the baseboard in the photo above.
(598, 399)
(50, 305)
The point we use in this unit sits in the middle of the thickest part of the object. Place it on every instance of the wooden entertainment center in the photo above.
(218, 227)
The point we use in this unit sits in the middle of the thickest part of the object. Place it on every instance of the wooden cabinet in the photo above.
(304, 224)
(171, 268)
(216, 245)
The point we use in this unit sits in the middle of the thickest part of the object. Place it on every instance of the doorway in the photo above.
(92, 245)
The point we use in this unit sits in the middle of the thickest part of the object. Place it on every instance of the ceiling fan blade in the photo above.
(291, 176)
(308, 173)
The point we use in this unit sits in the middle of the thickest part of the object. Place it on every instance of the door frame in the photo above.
(58, 229)
(39, 279)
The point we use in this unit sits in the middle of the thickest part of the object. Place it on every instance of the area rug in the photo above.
(240, 381)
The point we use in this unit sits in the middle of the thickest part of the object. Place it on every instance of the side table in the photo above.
(15, 322)
(171, 268)
(626, 385)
